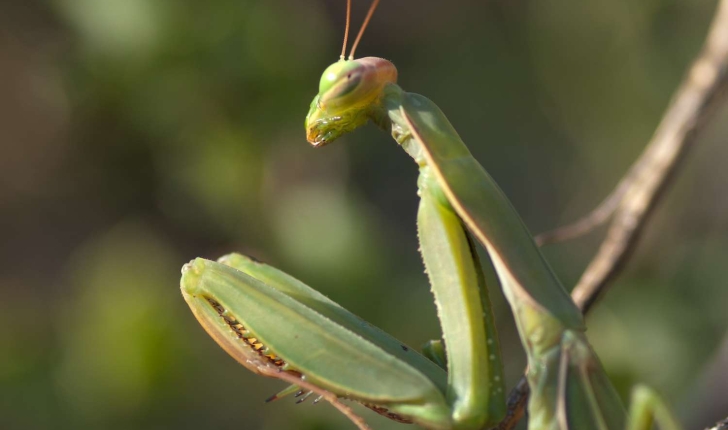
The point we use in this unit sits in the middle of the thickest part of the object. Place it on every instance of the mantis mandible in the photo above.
(277, 326)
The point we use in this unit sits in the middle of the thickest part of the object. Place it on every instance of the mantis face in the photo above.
(349, 93)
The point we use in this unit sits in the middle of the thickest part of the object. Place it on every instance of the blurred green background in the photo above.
(137, 135)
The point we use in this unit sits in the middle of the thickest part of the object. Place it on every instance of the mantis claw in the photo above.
(303, 399)
(283, 393)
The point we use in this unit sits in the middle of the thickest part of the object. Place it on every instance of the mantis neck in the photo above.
(388, 116)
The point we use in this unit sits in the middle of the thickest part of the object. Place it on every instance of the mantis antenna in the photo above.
(363, 27)
(346, 32)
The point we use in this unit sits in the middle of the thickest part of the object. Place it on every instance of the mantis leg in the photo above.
(277, 326)
(647, 407)
(571, 389)
(475, 380)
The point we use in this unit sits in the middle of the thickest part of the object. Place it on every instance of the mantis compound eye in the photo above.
(343, 83)
(339, 73)
(347, 84)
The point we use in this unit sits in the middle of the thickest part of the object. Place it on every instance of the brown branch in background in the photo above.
(690, 108)
(516, 405)
(723, 425)
(596, 217)
(640, 189)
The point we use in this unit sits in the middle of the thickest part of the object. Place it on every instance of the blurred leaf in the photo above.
(116, 324)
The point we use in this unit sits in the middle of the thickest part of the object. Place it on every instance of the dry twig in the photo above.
(723, 425)
(596, 217)
(637, 193)
(689, 109)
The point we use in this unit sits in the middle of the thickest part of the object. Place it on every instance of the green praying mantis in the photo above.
(277, 326)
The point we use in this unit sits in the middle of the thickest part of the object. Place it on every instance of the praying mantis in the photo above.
(278, 327)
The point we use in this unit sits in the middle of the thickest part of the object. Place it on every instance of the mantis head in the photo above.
(349, 93)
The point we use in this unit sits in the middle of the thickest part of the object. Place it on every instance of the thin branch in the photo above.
(722, 425)
(596, 217)
(689, 109)
(516, 405)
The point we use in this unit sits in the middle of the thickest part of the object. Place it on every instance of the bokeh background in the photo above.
(137, 135)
